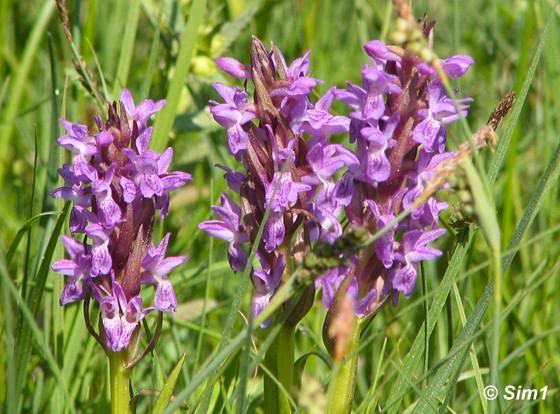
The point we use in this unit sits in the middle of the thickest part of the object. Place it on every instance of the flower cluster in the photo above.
(399, 116)
(116, 184)
(281, 139)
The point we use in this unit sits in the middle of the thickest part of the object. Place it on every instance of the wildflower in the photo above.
(398, 120)
(116, 184)
(281, 138)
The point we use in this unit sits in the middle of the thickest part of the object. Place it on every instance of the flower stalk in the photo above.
(119, 380)
(343, 379)
(280, 362)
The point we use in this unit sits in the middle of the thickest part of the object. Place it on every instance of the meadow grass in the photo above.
(485, 313)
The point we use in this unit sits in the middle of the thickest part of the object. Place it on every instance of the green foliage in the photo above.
(431, 353)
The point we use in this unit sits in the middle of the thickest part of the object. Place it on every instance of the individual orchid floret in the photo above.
(77, 139)
(280, 135)
(414, 250)
(234, 68)
(156, 270)
(142, 113)
(115, 184)
(233, 114)
(266, 281)
(230, 229)
(456, 66)
(318, 120)
(119, 315)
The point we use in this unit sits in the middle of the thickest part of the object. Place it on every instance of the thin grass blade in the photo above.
(167, 390)
(23, 330)
(166, 118)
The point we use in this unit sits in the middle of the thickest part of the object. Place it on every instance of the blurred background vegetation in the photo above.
(135, 44)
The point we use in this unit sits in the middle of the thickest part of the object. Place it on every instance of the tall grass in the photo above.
(434, 352)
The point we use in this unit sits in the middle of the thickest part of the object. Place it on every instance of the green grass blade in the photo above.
(23, 331)
(484, 206)
(210, 369)
(99, 70)
(19, 83)
(545, 185)
(214, 363)
(447, 375)
(29, 320)
(546, 182)
(515, 302)
(206, 289)
(167, 390)
(22, 231)
(166, 118)
(54, 150)
(474, 359)
(8, 339)
(230, 31)
(152, 62)
(127, 47)
(414, 355)
(503, 143)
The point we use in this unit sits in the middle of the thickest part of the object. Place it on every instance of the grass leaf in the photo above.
(447, 375)
(167, 390)
(503, 143)
(23, 330)
(189, 37)
(28, 318)
(127, 47)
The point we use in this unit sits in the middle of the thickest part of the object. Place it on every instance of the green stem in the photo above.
(343, 379)
(495, 353)
(119, 379)
(279, 360)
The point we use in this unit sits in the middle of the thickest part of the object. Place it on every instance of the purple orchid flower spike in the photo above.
(282, 192)
(109, 212)
(331, 282)
(379, 51)
(297, 84)
(441, 111)
(116, 184)
(398, 120)
(318, 121)
(280, 136)
(456, 66)
(101, 262)
(233, 178)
